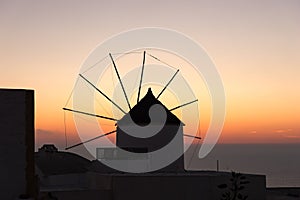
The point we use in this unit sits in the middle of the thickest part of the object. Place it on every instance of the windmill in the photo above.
(138, 115)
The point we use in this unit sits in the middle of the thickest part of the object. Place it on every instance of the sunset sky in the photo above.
(255, 46)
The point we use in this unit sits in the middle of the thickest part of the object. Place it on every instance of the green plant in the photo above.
(233, 191)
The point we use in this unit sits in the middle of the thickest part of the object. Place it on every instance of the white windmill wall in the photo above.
(164, 137)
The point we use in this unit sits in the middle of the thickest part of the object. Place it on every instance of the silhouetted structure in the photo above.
(17, 143)
(50, 161)
(139, 115)
(71, 177)
(134, 134)
(67, 176)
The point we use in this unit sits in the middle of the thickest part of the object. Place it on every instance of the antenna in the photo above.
(168, 83)
(183, 105)
(100, 136)
(142, 73)
(90, 114)
(102, 93)
(114, 64)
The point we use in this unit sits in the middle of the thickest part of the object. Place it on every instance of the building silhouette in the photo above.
(53, 174)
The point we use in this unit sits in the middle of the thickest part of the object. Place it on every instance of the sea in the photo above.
(279, 162)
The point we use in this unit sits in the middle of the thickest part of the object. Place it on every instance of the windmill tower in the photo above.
(164, 133)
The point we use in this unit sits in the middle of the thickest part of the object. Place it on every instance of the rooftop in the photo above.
(140, 112)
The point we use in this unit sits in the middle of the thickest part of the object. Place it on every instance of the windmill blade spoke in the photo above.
(92, 139)
(114, 64)
(142, 73)
(186, 135)
(159, 60)
(168, 83)
(90, 114)
(102, 93)
(183, 105)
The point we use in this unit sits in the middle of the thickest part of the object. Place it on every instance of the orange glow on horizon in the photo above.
(44, 44)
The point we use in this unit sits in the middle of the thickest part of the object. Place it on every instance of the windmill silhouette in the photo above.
(134, 140)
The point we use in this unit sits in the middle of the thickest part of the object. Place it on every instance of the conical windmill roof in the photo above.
(140, 112)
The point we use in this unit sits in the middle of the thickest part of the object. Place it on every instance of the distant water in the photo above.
(279, 162)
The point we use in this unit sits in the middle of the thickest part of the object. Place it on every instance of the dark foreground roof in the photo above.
(57, 162)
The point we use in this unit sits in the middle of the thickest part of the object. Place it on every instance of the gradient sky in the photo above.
(254, 44)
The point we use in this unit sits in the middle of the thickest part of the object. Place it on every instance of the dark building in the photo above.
(164, 124)
(17, 143)
(50, 161)
(67, 176)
